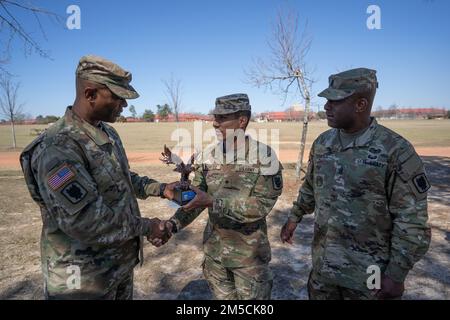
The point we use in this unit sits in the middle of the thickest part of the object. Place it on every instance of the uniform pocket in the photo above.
(255, 282)
(262, 290)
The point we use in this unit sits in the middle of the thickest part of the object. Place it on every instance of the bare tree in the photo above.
(173, 91)
(132, 110)
(9, 105)
(393, 111)
(11, 12)
(286, 70)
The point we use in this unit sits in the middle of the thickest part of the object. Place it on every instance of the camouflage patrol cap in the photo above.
(344, 84)
(232, 103)
(100, 70)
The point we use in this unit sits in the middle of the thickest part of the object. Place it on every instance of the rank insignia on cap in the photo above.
(74, 192)
(60, 177)
(421, 183)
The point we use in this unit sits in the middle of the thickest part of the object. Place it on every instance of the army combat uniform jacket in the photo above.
(370, 205)
(244, 193)
(79, 176)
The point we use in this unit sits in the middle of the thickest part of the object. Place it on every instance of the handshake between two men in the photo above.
(182, 192)
(160, 231)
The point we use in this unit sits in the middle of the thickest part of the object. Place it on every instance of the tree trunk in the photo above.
(13, 134)
(299, 164)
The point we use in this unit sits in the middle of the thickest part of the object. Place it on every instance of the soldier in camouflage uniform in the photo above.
(368, 189)
(78, 173)
(239, 181)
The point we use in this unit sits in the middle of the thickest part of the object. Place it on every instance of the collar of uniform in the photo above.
(96, 134)
(220, 158)
(208, 156)
(361, 141)
(332, 142)
(104, 128)
(241, 149)
(368, 135)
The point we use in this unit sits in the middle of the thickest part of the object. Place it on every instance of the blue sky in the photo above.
(208, 44)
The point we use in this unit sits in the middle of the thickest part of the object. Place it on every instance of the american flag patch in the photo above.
(60, 177)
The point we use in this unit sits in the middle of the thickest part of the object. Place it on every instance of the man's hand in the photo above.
(287, 231)
(168, 190)
(160, 232)
(390, 289)
(201, 200)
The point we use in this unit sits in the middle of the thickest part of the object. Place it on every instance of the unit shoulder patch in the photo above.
(277, 182)
(74, 192)
(421, 183)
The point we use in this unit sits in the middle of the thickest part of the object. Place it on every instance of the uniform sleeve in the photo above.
(183, 218)
(305, 202)
(247, 209)
(72, 198)
(144, 186)
(411, 235)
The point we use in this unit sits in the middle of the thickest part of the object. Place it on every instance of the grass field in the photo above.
(150, 137)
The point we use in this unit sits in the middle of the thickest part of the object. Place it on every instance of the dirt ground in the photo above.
(173, 271)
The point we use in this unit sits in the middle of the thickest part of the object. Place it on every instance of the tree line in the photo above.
(163, 112)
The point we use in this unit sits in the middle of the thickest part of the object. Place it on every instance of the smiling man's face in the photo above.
(225, 122)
